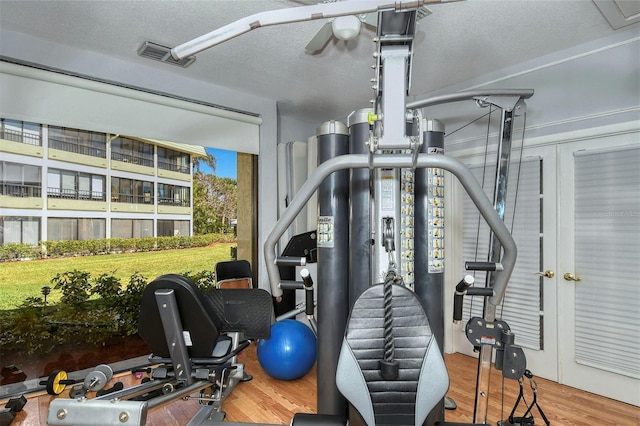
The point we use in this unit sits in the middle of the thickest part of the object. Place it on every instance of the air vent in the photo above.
(163, 54)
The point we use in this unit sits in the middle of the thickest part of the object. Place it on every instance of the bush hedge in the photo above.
(15, 251)
(92, 310)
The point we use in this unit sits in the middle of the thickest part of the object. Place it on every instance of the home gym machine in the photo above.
(380, 220)
(380, 186)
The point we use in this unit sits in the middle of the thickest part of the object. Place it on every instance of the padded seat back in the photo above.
(422, 380)
(197, 315)
(234, 274)
(247, 310)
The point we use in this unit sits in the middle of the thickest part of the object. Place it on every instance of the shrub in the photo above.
(36, 328)
(12, 251)
(25, 331)
(75, 286)
(107, 286)
(146, 244)
(129, 304)
(204, 280)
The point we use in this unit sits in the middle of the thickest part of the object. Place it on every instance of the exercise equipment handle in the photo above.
(308, 293)
(458, 299)
(357, 161)
(291, 285)
(483, 266)
(291, 261)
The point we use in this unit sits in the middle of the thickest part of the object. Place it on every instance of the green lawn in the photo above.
(19, 280)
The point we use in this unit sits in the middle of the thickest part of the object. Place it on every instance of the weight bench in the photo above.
(195, 338)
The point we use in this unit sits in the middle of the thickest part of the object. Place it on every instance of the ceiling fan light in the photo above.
(346, 27)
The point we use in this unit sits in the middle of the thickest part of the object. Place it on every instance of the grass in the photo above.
(19, 280)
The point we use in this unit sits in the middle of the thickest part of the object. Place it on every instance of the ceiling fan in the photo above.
(346, 27)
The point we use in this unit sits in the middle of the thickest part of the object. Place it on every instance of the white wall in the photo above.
(589, 85)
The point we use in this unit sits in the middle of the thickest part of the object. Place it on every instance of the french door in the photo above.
(574, 299)
(599, 266)
(529, 305)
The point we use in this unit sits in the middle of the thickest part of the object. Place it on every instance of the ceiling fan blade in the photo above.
(319, 41)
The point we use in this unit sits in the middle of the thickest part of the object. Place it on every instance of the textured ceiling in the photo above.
(457, 42)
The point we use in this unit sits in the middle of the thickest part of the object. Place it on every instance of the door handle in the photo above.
(571, 277)
(548, 273)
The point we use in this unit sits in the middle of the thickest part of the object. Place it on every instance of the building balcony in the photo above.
(20, 196)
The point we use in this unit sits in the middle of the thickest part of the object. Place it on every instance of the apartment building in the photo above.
(59, 183)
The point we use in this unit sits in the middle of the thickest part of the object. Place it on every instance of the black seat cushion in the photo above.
(246, 310)
(233, 269)
(422, 380)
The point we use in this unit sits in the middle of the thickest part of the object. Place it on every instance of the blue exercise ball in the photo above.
(290, 352)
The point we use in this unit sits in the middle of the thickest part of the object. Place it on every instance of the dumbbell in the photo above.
(13, 407)
(95, 380)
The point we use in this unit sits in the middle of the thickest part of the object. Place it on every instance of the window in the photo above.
(21, 131)
(174, 160)
(131, 228)
(131, 191)
(20, 180)
(78, 141)
(174, 195)
(132, 151)
(75, 185)
(63, 228)
(173, 228)
(25, 230)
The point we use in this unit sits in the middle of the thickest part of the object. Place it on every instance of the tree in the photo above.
(210, 160)
(214, 203)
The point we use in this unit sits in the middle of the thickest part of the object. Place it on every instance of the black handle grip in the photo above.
(458, 298)
(309, 308)
(291, 261)
(291, 285)
(465, 283)
(306, 278)
(482, 266)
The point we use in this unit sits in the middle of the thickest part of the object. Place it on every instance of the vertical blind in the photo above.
(607, 259)
(522, 307)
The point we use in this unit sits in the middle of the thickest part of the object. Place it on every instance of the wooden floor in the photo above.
(267, 400)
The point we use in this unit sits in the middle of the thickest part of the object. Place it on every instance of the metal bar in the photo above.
(495, 249)
(358, 161)
(135, 391)
(394, 89)
(172, 325)
(287, 16)
(468, 96)
(178, 393)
